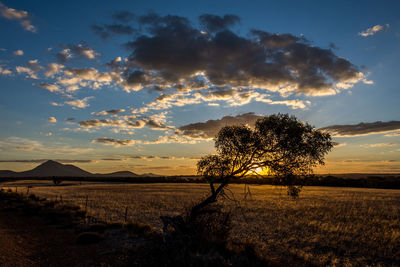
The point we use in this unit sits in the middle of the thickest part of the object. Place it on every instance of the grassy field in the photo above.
(325, 226)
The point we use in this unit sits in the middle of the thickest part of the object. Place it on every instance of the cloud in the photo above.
(210, 128)
(49, 87)
(56, 104)
(52, 119)
(213, 23)
(52, 69)
(101, 123)
(18, 144)
(161, 140)
(336, 144)
(22, 16)
(124, 16)
(169, 52)
(293, 104)
(371, 31)
(109, 30)
(79, 103)
(75, 78)
(232, 96)
(83, 51)
(149, 158)
(64, 55)
(112, 159)
(109, 112)
(33, 67)
(29, 72)
(79, 50)
(381, 145)
(116, 142)
(155, 122)
(5, 71)
(18, 53)
(362, 128)
(174, 139)
(393, 134)
(28, 145)
(82, 73)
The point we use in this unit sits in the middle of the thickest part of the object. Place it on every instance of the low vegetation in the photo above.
(133, 244)
(325, 226)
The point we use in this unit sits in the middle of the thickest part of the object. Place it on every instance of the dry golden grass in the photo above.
(325, 226)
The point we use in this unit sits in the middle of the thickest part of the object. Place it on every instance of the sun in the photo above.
(260, 171)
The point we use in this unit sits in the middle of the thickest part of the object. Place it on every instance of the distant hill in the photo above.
(53, 168)
(149, 174)
(118, 174)
(7, 173)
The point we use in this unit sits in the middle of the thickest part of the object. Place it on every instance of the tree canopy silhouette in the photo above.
(284, 146)
(279, 144)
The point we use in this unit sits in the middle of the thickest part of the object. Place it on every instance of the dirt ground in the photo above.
(28, 241)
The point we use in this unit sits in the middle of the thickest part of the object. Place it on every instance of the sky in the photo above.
(145, 85)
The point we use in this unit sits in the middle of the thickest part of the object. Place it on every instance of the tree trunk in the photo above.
(195, 210)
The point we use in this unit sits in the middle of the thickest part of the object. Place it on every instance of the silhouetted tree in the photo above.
(279, 144)
(282, 145)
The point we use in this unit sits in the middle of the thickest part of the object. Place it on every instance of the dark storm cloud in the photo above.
(363, 128)
(136, 77)
(169, 51)
(213, 23)
(210, 128)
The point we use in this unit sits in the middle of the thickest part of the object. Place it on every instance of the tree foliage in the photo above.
(281, 144)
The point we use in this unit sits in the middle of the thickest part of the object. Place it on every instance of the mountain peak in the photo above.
(54, 168)
(48, 162)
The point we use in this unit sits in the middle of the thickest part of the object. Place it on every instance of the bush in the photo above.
(211, 225)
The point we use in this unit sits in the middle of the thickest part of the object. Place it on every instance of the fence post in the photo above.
(86, 203)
